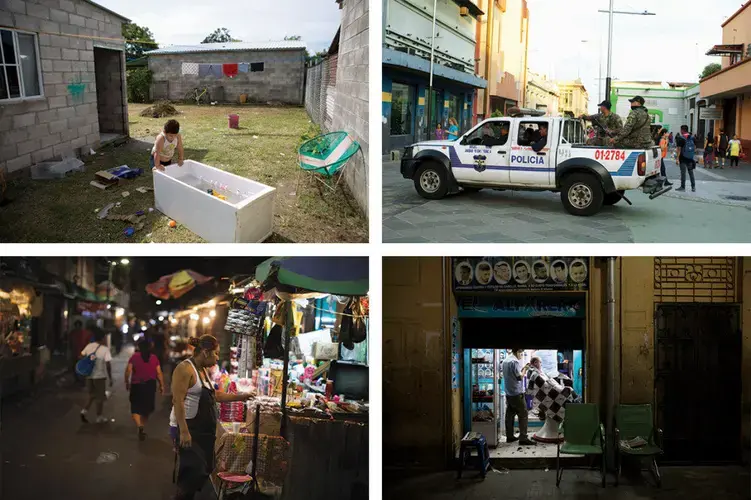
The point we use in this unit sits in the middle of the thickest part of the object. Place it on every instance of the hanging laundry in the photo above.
(190, 68)
(204, 70)
(215, 70)
(243, 67)
(230, 69)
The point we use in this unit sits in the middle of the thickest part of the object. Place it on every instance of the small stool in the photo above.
(230, 480)
(477, 442)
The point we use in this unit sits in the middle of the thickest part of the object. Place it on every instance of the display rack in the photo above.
(484, 394)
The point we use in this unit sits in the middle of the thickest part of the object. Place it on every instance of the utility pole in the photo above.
(429, 97)
(611, 13)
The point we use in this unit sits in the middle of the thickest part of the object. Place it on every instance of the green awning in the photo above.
(334, 275)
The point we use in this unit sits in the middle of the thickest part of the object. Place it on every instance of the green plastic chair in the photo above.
(326, 156)
(583, 434)
(637, 421)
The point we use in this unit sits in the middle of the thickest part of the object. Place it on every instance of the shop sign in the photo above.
(492, 307)
(710, 114)
(90, 307)
(495, 274)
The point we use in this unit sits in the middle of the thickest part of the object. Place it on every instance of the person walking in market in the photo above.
(79, 337)
(735, 149)
(97, 380)
(513, 374)
(723, 141)
(141, 377)
(637, 132)
(194, 416)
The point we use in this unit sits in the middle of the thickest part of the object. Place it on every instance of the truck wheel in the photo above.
(431, 181)
(613, 198)
(582, 194)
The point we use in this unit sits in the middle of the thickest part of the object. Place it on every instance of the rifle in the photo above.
(602, 127)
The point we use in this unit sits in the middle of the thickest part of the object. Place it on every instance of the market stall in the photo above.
(16, 360)
(298, 335)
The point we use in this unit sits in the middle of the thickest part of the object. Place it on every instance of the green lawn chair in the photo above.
(326, 156)
(633, 421)
(583, 434)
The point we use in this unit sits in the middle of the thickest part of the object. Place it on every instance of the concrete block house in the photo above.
(267, 71)
(62, 79)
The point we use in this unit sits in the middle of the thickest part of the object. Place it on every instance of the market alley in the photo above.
(46, 449)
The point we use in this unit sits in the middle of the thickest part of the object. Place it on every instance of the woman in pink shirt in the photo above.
(141, 376)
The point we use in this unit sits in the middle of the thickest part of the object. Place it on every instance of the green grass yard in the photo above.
(263, 149)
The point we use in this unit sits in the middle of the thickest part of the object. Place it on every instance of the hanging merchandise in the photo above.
(230, 69)
(353, 329)
(243, 67)
(204, 70)
(280, 315)
(273, 348)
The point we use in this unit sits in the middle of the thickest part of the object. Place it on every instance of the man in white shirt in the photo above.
(96, 382)
(513, 374)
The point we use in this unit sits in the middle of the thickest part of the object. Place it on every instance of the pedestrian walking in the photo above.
(664, 150)
(79, 337)
(96, 380)
(734, 151)
(141, 377)
(686, 153)
(722, 148)
(710, 151)
(194, 416)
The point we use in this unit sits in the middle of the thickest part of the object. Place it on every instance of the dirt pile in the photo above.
(160, 109)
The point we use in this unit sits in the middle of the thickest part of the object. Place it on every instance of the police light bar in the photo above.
(516, 112)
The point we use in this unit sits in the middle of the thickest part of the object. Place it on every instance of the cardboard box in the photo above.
(271, 423)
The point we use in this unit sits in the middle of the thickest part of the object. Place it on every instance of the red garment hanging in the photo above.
(230, 70)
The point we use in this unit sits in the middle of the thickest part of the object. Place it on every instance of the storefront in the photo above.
(17, 366)
(301, 344)
(405, 113)
(538, 304)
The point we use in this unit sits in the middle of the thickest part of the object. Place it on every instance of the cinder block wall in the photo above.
(42, 128)
(110, 99)
(282, 79)
(351, 102)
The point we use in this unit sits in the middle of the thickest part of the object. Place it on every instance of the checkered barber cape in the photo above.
(549, 395)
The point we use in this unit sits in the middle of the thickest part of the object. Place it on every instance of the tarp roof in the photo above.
(334, 275)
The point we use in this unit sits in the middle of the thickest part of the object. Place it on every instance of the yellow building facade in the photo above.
(501, 54)
(574, 98)
(675, 320)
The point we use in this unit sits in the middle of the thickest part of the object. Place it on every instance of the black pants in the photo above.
(690, 166)
(516, 405)
(663, 171)
(734, 161)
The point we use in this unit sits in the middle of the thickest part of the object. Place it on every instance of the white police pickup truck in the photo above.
(498, 154)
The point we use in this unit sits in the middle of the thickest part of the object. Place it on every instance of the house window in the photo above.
(255, 67)
(19, 65)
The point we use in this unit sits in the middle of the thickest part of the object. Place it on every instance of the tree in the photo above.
(293, 38)
(143, 40)
(220, 35)
(711, 69)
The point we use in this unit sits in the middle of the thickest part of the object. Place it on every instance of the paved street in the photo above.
(687, 483)
(48, 453)
(719, 212)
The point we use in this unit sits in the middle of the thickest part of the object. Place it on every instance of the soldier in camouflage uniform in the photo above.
(637, 133)
(611, 122)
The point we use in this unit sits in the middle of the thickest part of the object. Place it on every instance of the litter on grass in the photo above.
(56, 169)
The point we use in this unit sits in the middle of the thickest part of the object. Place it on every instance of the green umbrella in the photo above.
(334, 275)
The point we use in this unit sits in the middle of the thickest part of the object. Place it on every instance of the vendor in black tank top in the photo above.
(197, 433)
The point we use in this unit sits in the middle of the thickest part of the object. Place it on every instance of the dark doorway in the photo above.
(728, 111)
(698, 382)
(110, 93)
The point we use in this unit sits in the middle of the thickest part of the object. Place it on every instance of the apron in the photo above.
(197, 462)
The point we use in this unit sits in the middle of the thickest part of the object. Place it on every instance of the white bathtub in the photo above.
(247, 216)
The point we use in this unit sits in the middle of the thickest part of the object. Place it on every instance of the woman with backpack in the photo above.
(141, 376)
(96, 365)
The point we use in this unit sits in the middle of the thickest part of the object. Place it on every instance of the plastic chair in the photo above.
(325, 157)
(633, 421)
(228, 479)
(474, 441)
(583, 434)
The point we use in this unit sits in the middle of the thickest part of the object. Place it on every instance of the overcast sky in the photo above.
(660, 48)
(188, 22)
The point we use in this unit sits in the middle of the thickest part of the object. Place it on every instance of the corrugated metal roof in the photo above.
(229, 47)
